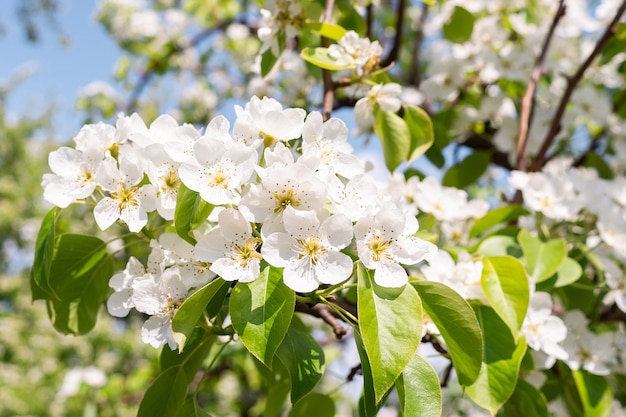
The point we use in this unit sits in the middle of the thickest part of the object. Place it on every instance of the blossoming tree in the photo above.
(491, 256)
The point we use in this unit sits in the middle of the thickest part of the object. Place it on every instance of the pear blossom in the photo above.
(73, 176)
(127, 200)
(616, 282)
(231, 248)
(159, 296)
(463, 276)
(543, 330)
(309, 250)
(90, 375)
(264, 122)
(120, 301)
(360, 52)
(385, 96)
(218, 170)
(385, 241)
(279, 16)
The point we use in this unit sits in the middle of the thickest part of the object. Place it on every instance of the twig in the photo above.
(329, 89)
(397, 40)
(528, 101)
(541, 158)
(353, 372)
(428, 338)
(325, 313)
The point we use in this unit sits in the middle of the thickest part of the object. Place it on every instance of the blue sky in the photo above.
(61, 71)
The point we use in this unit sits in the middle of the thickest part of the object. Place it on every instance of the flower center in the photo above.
(125, 196)
(379, 248)
(284, 199)
(246, 253)
(311, 249)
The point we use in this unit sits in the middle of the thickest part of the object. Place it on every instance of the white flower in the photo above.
(120, 302)
(328, 142)
(231, 248)
(361, 52)
(73, 178)
(126, 201)
(384, 241)
(160, 297)
(218, 170)
(309, 251)
(464, 276)
(264, 121)
(616, 282)
(163, 174)
(444, 203)
(383, 95)
(278, 16)
(356, 198)
(543, 330)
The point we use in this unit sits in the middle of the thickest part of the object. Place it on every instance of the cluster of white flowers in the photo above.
(360, 52)
(279, 17)
(294, 210)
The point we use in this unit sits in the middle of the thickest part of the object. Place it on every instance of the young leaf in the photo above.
(569, 272)
(303, 357)
(328, 30)
(419, 389)
(367, 403)
(191, 408)
(542, 259)
(458, 325)
(390, 321)
(495, 217)
(503, 356)
(191, 211)
(318, 405)
(194, 306)
(505, 284)
(198, 347)
(499, 245)
(261, 312)
(394, 136)
(421, 131)
(526, 401)
(460, 26)
(166, 395)
(320, 58)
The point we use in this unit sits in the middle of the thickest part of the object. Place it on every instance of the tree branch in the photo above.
(397, 40)
(528, 101)
(329, 89)
(324, 312)
(416, 76)
(541, 158)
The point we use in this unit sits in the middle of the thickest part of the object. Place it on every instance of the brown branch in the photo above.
(353, 372)
(428, 338)
(541, 158)
(329, 89)
(397, 40)
(324, 312)
(528, 101)
(416, 76)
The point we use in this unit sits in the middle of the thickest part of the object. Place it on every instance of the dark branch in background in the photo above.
(153, 65)
(369, 15)
(541, 158)
(528, 101)
(329, 89)
(397, 40)
(415, 76)
(324, 312)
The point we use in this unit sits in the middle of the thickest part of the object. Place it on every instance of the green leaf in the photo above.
(198, 347)
(460, 26)
(79, 274)
(505, 284)
(261, 312)
(328, 30)
(526, 401)
(44, 250)
(594, 392)
(468, 171)
(192, 309)
(495, 217)
(569, 272)
(268, 60)
(542, 259)
(166, 395)
(419, 389)
(318, 405)
(421, 131)
(394, 136)
(320, 58)
(303, 357)
(191, 211)
(499, 372)
(499, 245)
(367, 403)
(191, 408)
(458, 325)
(390, 320)
(593, 160)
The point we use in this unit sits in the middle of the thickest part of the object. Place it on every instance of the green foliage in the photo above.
(526, 401)
(419, 390)
(460, 26)
(468, 171)
(320, 58)
(191, 211)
